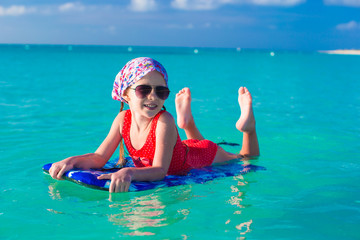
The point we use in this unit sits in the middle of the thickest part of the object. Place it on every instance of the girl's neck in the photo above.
(140, 122)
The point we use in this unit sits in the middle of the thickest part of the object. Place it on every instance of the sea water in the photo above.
(55, 102)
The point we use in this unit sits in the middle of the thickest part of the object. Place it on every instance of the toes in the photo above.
(180, 92)
(242, 90)
(247, 92)
(187, 91)
(183, 91)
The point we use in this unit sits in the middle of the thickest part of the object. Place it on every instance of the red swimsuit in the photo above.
(188, 154)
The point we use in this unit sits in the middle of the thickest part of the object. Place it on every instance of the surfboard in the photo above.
(88, 178)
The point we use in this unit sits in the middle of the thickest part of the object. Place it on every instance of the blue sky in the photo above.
(256, 24)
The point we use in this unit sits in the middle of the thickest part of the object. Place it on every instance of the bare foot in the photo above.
(183, 108)
(246, 122)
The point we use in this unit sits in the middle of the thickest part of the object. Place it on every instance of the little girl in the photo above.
(150, 133)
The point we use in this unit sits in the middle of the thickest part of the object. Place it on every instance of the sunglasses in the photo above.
(142, 91)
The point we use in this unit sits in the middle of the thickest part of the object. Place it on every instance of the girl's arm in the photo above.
(166, 137)
(91, 160)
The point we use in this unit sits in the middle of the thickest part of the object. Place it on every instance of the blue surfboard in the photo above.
(88, 178)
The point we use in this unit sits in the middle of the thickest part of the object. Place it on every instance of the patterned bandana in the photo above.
(132, 72)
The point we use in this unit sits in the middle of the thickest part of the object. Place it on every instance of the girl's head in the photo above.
(132, 72)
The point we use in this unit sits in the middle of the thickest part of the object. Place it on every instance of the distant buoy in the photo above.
(130, 49)
(196, 51)
(238, 49)
(272, 54)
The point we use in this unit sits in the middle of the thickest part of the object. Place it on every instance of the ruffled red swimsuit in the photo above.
(188, 154)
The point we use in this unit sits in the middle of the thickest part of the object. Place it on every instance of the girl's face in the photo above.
(151, 104)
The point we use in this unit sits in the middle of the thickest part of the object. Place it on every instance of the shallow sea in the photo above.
(55, 102)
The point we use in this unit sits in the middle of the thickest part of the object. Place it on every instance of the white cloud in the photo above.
(19, 10)
(71, 6)
(180, 26)
(214, 4)
(196, 4)
(348, 26)
(111, 29)
(349, 3)
(15, 10)
(142, 5)
(283, 3)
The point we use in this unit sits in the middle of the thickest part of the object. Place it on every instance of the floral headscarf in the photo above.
(132, 72)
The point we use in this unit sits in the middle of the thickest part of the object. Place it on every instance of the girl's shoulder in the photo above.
(166, 117)
(121, 115)
(119, 120)
(166, 122)
(166, 128)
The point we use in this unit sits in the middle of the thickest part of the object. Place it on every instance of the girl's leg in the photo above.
(246, 125)
(185, 119)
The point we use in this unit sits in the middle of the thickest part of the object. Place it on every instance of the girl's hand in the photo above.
(58, 169)
(120, 180)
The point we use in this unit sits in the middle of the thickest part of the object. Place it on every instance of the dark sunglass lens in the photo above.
(162, 92)
(142, 91)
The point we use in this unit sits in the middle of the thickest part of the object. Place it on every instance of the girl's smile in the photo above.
(150, 106)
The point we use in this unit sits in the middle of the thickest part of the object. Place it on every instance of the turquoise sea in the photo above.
(55, 102)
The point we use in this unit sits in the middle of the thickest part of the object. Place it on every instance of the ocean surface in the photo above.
(55, 102)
